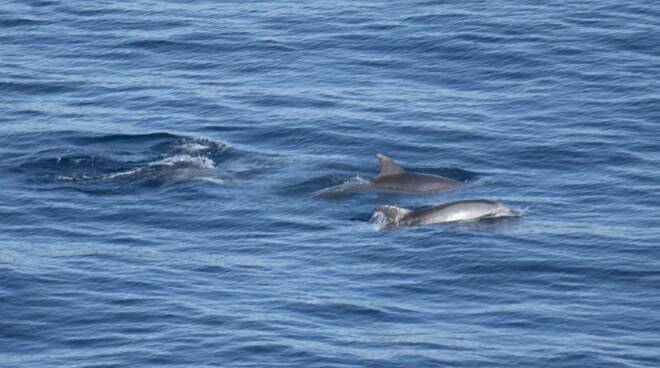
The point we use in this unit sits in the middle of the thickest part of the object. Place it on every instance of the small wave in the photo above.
(122, 138)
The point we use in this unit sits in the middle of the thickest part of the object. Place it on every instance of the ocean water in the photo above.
(159, 159)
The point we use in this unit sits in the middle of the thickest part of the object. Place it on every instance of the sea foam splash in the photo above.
(201, 162)
(179, 159)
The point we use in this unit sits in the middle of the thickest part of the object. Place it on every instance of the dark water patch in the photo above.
(100, 11)
(290, 101)
(211, 269)
(42, 3)
(122, 138)
(162, 45)
(224, 128)
(19, 22)
(363, 217)
(340, 312)
(266, 348)
(381, 26)
(81, 163)
(36, 87)
(31, 113)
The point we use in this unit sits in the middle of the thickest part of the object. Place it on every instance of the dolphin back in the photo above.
(392, 178)
(465, 210)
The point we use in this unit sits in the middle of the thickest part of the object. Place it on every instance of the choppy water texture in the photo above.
(159, 159)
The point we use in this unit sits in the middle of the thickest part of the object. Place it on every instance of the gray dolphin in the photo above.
(467, 210)
(392, 178)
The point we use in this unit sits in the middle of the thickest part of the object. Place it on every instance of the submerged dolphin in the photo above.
(392, 178)
(468, 210)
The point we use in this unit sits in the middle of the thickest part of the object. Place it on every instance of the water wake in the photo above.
(126, 163)
(355, 184)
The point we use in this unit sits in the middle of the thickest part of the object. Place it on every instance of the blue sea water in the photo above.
(158, 161)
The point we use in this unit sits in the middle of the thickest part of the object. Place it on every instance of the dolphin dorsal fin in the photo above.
(387, 166)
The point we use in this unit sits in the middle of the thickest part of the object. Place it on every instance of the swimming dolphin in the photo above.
(467, 210)
(392, 178)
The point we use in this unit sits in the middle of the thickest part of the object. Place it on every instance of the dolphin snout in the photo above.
(513, 213)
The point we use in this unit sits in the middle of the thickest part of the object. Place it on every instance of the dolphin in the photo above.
(392, 178)
(467, 210)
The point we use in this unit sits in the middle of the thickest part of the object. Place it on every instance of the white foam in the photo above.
(194, 146)
(378, 220)
(74, 178)
(198, 161)
(213, 180)
(199, 144)
(122, 173)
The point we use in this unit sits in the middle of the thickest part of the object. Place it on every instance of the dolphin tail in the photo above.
(388, 215)
(388, 166)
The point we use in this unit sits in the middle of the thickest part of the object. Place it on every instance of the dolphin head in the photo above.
(388, 215)
(508, 212)
(513, 213)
